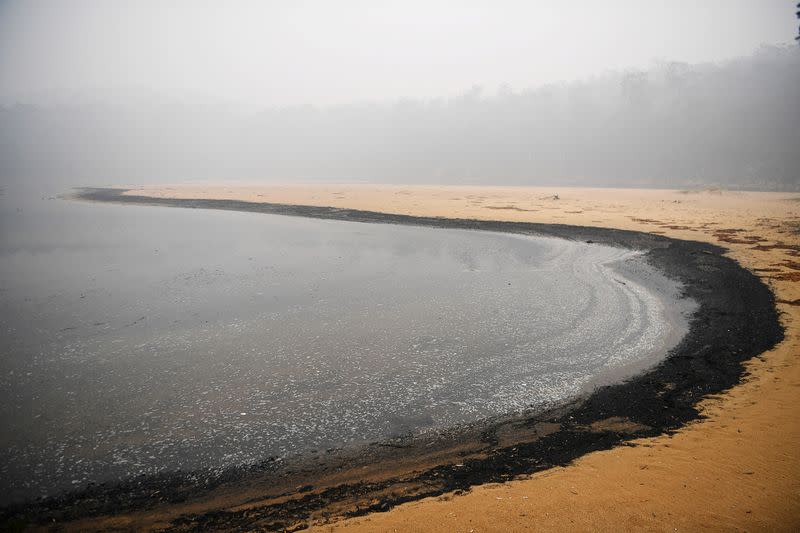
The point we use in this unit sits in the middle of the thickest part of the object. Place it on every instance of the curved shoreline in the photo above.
(736, 320)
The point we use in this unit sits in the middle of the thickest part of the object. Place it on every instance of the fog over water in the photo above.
(139, 340)
(615, 93)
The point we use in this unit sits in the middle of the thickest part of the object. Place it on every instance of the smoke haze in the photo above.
(620, 93)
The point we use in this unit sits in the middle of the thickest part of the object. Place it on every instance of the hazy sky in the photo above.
(274, 53)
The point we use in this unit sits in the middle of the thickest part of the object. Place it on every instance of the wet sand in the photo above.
(735, 469)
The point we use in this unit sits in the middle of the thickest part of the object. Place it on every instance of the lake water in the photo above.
(143, 339)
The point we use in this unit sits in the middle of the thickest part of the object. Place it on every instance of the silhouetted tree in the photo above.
(797, 14)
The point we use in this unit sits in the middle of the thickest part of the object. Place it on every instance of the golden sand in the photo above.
(738, 469)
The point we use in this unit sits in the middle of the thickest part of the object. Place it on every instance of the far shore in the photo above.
(735, 466)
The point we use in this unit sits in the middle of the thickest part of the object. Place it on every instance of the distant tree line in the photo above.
(733, 124)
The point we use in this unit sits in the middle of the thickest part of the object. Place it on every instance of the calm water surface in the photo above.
(142, 339)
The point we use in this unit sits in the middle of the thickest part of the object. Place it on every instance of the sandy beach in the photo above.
(397, 268)
(735, 470)
(639, 455)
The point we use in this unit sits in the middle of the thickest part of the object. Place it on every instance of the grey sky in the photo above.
(273, 53)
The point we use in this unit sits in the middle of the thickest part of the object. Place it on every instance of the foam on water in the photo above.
(140, 340)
